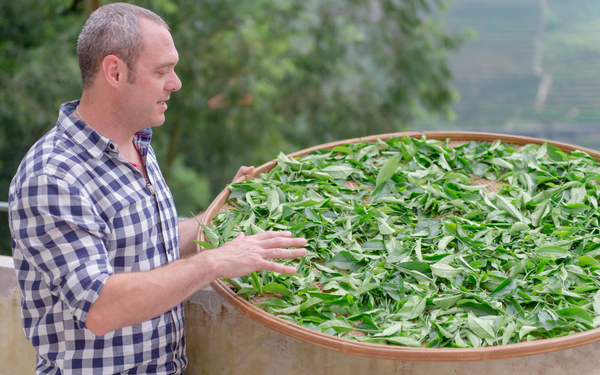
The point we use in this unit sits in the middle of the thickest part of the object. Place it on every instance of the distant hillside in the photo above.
(533, 68)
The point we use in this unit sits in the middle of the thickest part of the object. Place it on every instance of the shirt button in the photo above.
(112, 146)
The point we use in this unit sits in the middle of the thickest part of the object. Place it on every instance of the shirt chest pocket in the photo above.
(135, 242)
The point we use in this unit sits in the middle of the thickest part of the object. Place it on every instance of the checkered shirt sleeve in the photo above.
(78, 213)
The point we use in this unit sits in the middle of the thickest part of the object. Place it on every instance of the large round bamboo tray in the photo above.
(392, 352)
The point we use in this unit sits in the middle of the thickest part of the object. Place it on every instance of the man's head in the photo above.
(127, 58)
(114, 29)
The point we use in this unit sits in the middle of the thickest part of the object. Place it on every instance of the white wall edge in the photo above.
(6, 262)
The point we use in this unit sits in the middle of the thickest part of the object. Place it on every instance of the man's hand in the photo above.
(243, 171)
(245, 255)
(134, 297)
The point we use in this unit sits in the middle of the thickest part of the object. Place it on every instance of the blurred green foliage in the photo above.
(258, 77)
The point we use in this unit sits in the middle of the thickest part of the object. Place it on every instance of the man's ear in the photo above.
(114, 70)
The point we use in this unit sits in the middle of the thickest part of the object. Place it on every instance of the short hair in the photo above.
(113, 29)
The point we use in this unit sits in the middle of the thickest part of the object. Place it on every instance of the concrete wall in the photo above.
(223, 341)
(17, 356)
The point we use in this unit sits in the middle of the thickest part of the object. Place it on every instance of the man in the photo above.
(96, 240)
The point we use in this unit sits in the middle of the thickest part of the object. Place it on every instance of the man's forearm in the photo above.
(132, 298)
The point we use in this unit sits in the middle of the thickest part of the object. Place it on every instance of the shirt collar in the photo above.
(95, 143)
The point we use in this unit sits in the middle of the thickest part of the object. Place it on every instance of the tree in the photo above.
(258, 77)
(283, 75)
(38, 70)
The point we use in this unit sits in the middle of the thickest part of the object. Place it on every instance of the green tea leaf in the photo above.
(342, 149)
(575, 207)
(403, 340)
(274, 302)
(508, 333)
(505, 205)
(412, 308)
(384, 227)
(477, 308)
(428, 227)
(480, 327)
(387, 170)
(447, 302)
(277, 288)
(504, 289)
(444, 242)
(205, 245)
(338, 171)
(337, 324)
(391, 329)
(553, 252)
(256, 283)
(501, 163)
(556, 154)
(421, 267)
(273, 200)
(539, 214)
(586, 260)
(212, 236)
(255, 229)
(525, 330)
(342, 260)
(366, 288)
(576, 313)
(473, 339)
(445, 270)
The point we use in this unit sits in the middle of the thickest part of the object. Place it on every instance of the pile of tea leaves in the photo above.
(403, 247)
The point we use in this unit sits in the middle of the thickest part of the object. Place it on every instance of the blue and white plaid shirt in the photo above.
(78, 214)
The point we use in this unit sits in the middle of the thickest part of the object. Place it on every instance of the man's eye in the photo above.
(163, 72)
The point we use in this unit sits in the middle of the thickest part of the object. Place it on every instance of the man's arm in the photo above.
(132, 298)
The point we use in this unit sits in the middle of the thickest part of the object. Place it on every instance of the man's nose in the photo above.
(174, 84)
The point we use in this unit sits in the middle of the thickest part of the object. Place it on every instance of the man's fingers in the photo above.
(282, 242)
(243, 171)
(280, 268)
(282, 253)
(251, 253)
(246, 170)
(271, 234)
(267, 240)
(274, 239)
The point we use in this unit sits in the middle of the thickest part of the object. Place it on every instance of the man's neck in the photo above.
(100, 116)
